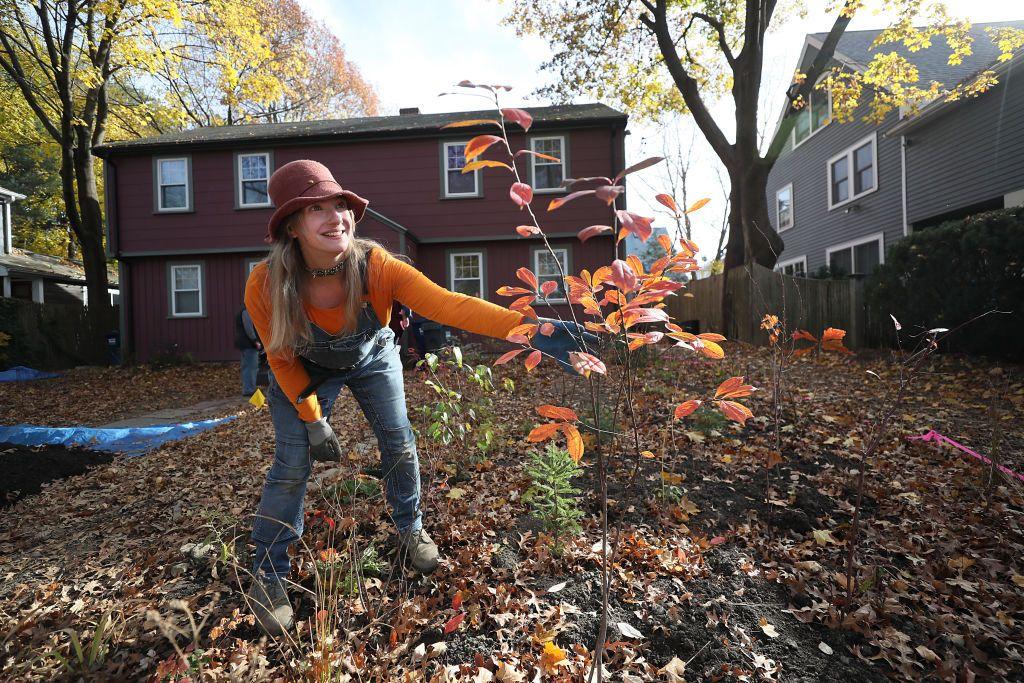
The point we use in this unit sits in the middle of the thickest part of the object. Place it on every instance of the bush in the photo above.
(945, 276)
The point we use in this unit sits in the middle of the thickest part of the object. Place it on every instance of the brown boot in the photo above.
(269, 602)
(420, 550)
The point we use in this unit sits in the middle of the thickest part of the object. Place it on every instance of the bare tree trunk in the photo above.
(89, 227)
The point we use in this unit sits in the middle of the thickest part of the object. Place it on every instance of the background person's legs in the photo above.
(250, 368)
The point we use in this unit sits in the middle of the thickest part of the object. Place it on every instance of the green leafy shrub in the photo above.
(551, 495)
(945, 276)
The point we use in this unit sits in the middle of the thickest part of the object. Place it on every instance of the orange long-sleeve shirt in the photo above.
(388, 279)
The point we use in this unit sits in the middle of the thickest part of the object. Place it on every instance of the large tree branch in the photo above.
(802, 90)
(12, 66)
(723, 43)
(687, 85)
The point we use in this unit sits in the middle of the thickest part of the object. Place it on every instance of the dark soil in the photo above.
(713, 621)
(26, 469)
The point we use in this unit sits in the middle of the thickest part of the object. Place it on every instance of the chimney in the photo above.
(406, 111)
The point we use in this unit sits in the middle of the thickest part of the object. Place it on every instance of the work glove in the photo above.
(565, 338)
(323, 444)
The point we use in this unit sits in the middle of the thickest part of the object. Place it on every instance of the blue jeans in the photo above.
(250, 368)
(378, 386)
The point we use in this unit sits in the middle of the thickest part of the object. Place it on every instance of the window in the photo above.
(251, 263)
(457, 183)
(253, 172)
(466, 273)
(172, 184)
(784, 208)
(797, 267)
(852, 173)
(815, 115)
(186, 290)
(859, 257)
(547, 174)
(546, 268)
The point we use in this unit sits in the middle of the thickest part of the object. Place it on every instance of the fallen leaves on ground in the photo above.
(720, 577)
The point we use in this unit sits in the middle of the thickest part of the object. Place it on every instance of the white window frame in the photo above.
(240, 189)
(160, 184)
(544, 162)
(173, 290)
(251, 263)
(444, 170)
(792, 215)
(810, 114)
(536, 271)
(877, 237)
(451, 270)
(781, 265)
(848, 154)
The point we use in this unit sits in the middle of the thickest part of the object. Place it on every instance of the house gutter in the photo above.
(403, 232)
(113, 251)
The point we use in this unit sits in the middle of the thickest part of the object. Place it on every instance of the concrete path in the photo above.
(201, 411)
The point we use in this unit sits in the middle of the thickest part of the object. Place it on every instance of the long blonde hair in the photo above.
(287, 276)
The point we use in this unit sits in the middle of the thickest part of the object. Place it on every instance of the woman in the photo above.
(321, 303)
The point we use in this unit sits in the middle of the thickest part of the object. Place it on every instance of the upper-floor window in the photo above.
(253, 173)
(857, 257)
(546, 267)
(852, 173)
(784, 207)
(548, 174)
(814, 116)
(466, 273)
(186, 281)
(457, 183)
(173, 184)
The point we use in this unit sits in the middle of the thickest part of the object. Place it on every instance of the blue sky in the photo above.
(412, 50)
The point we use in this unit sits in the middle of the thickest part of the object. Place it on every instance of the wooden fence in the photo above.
(801, 303)
(52, 336)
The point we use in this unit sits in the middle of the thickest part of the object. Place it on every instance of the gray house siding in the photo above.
(971, 154)
(815, 226)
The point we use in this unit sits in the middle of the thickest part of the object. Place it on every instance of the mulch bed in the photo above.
(26, 470)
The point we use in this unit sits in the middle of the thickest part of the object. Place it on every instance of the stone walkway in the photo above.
(201, 411)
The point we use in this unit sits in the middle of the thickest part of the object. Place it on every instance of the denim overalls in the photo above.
(367, 362)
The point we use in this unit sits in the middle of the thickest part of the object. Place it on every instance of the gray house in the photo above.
(841, 193)
(40, 278)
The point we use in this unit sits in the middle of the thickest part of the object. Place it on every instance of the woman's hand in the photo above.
(568, 336)
(323, 444)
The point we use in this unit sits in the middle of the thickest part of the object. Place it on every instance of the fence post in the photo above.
(855, 335)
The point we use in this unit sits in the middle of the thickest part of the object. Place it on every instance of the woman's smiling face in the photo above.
(324, 230)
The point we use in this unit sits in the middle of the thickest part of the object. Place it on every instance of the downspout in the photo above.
(903, 180)
(113, 249)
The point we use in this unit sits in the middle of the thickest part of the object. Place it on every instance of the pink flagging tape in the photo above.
(933, 435)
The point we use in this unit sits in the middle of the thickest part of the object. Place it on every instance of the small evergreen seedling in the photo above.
(552, 496)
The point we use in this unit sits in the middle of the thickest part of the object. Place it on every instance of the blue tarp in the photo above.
(19, 373)
(128, 440)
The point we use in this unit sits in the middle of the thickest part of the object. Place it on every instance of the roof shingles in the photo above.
(368, 126)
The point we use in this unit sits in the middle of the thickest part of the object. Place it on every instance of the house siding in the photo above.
(968, 155)
(207, 338)
(815, 227)
(401, 178)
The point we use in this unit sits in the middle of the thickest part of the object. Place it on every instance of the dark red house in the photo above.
(187, 211)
